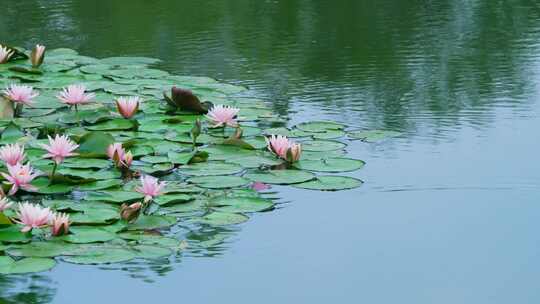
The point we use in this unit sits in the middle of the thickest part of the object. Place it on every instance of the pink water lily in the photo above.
(150, 187)
(33, 216)
(12, 154)
(20, 176)
(5, 54)
(259, 186)
(119, 156)
(221, 115)
(37, 55)
(75, 95)
(20, 94)
(59, 148)
(5, 204)
(284, 148)
(60, 224)
(128, 106)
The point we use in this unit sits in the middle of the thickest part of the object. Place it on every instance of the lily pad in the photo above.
(26, 265)
(210, 169)
(147, 222)
(242, 204)
(88, 235)
(322, 145)
(114, 196)
(330, 165)
(219, 182)
(331, 183)
(319, 126)
(373, 135)
(223, 218)
(102, 255)
(150, 252)
(281, 177)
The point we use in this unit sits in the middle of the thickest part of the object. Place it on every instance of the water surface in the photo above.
(449, 210)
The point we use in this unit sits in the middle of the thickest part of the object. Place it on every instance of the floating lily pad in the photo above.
(88, 235)
(256, 161)
(114, 196)
(111, 125)
(150, 252)
(223, 218)
(146, 222)
(26, 265)
(219, 182)
(322, 145)
(102, 255)
(241, 204)
(373, 135)
(172, 199)
(281, 177)
(45, 249)
(319, 126)
(331, 183)
(211, 168)
(13, 234)
(330, 165)
(100, 185)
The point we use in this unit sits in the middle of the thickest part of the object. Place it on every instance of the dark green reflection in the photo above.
(390, 64)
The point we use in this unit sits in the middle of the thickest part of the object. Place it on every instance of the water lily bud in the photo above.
(37, 55)
(60, 224)
(294, 152)
(130, 212)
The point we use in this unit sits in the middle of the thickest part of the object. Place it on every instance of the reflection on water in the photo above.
(31, 289)
(394, 64)
(459, 78)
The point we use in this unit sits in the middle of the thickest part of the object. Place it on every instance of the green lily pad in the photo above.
(115, 196)
(322, 145)
(13, 234)
(190, 206)
(255, 161)
(43, 186)
(150, 252)
(219, 182)
(148, 222)
(26, 265)
(151, 239)
(100, 185)
(331, 183)
(172, 199)
(223, 218)
(45, 249)
(111, 125)
(319, 126)
(88, 235)
(86, 163)
(123, 61)
(330, 165)
(95, 144)
(102, 255)
(373, 135)
(241, 204)
(181, 158)
(211, 168)
(281, 177)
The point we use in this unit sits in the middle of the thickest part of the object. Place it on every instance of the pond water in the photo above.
(449, 212)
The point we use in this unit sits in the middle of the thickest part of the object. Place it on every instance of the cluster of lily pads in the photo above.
(102, 156)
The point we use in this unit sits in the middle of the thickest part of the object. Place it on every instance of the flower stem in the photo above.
(51, 179)
(18, 109)
(77, 115)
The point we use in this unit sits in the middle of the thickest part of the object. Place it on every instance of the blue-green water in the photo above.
(448, 212)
